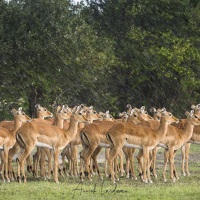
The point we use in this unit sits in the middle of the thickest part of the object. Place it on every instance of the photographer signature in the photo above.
(98, 189)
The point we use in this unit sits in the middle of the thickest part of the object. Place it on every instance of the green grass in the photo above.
(71, 188)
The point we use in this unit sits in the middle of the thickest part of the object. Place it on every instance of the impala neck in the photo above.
(162, 130)
(155, 117)
(73, 127)
(39, 116)
(188, 130)
(58, 122)
(17, 125)
(81, 125)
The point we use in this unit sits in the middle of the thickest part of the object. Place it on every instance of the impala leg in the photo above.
(68, 156)
(28, 162)
(11, 154)
(36, 158)
(2, 165)
(107, 151)
(146, 170)
(121, 158)
(86, 157)
(127, 161)
(21, 161)
(1, 158)
(153, 162)
(166, 157)
(140, 164)
(6, 163)
(74, 152)
(171, 163)
(94, 157)
(49, 156)
(56, 165)
(175, 172)
(116, 167)
(113, 153)
(187, 151)
(42, 163)
(131, 151)
(37, 162)
(63, 155)
(77, 161)
(81, 163)
(183, 159)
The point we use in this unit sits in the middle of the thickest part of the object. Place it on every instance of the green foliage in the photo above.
(106, 54)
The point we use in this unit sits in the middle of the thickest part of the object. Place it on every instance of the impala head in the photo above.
(91, 114)
(156, 113)
(142, 113)
(62, 113)
(196, 109)
(168, 117)
(20, 115)
(129, 108)
(107, 116)
(79, 115)
(42, 111)
(123, 116)
(134, 117)
(193, 118)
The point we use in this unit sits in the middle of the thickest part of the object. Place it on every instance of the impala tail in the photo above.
(110, 141)
(20, 141)
(84, 139)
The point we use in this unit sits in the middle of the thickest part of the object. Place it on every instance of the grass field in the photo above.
(185, 188)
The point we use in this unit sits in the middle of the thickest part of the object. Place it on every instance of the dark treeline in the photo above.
(106, 54)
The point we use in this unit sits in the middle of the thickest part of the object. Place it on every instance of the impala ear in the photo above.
(107, 112)
(193, 107)
(37, 106)
(128, 106)
(91, 108)
(198, 107)
(136, 109)
(191, 113)
(152, 109)
(101, 113)
(142, 108)
(13, 110)
(163, 110)
(20, 109)
(187, 113)
(133, 111)
(78, 108)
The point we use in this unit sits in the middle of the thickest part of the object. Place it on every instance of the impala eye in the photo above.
(45, 109)
(80, 114)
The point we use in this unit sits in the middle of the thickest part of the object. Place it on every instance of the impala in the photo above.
(93, 138)
(42, 113)
(175, 139)
(72, 154)
(137, 136)
(7, 138)
(194, 139)
(61, 113)
(39, 134)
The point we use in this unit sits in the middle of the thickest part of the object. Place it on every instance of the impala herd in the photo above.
(80, 133)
